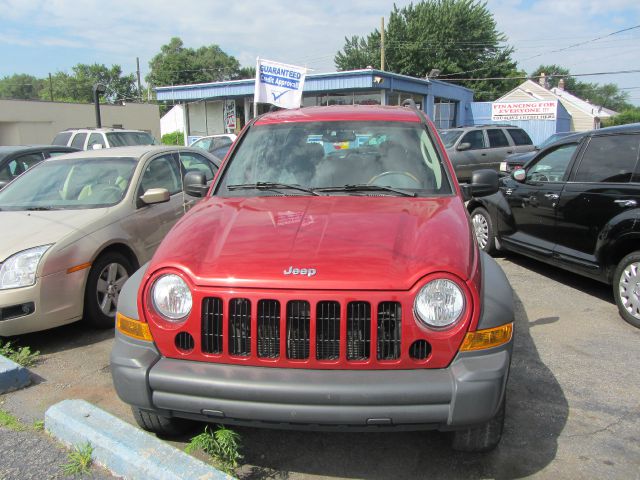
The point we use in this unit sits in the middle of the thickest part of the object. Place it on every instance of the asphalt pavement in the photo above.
(573, 405)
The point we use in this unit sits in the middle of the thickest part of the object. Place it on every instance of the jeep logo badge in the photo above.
(309, 272)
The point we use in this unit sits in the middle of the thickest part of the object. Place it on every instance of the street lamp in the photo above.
(98, 88)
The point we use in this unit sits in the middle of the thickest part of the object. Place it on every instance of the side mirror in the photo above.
(3, 184)
(520, 175)
(96, 146)
(463, 146)
(155, 195)
(483, 182)
(195, 184)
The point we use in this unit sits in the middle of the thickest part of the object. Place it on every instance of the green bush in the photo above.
(173, 138)
(631, 115)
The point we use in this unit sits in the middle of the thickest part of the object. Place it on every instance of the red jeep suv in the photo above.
(329, 278)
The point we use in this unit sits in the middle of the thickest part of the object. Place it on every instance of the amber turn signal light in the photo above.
(133, 328)
(489, 338)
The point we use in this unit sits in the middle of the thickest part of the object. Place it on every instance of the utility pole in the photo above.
(50, 87)
(382, 44)
(138, 71)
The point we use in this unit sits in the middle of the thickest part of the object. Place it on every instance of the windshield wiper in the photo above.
(271, 186)
(367, 188)
(40, 209)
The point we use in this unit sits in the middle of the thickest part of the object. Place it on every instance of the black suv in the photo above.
(575, 205)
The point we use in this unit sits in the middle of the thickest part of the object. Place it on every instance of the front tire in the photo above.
(481, 438)
(106, 278)
(164, 426)
(483, 230)
(626, 288)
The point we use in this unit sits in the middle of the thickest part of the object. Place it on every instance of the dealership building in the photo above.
(220, 107)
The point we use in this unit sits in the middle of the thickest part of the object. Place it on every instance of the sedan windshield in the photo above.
(125, 139)
(70, 184)
(335, 158)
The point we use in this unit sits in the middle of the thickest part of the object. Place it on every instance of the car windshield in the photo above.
(449, 137)
(125, 139)
(380, 158)
(70, 184)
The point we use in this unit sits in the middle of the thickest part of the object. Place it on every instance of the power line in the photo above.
(527, 77)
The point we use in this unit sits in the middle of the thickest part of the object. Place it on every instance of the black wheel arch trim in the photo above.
(496, 295)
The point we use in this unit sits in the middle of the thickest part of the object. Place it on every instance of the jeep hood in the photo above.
(352, 242)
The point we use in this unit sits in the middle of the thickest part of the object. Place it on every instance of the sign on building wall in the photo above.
(230, 115)
(279, 84)
(544, 110)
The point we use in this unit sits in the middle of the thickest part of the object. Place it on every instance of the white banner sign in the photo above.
(545, 110)
(279, 84)
(230, 115)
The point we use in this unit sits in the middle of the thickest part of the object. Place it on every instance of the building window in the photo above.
(444, 112)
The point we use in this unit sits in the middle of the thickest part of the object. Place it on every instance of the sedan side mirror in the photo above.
(483, 182)
(96, 146)
(195, 184)
(155, 195)
(463, 146)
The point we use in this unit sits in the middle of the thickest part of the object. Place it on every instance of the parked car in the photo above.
(483, 146)
(76, 226)
(96, 138)
(15, 160)
(217, 145)
(518, 160)
(575, 206)
(316, 287)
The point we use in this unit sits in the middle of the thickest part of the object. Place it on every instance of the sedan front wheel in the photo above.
(106, 278)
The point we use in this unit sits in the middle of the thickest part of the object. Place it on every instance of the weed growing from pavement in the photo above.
(79, 460)
(9, 421)
(38, 425)
(223, 446)
(21, 355)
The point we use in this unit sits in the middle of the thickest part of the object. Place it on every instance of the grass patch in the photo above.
(79, 460)
(223, 446)
(38, 425)
(9, 421)
(21, 355)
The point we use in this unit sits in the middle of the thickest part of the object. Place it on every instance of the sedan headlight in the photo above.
(171, 298)
(19, 270)
(439, 303)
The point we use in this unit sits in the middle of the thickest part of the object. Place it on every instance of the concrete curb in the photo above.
(122, 448)
(12, 376)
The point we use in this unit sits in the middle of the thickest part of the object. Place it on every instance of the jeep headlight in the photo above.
(19, 270)
(171, 297)
(440, 303)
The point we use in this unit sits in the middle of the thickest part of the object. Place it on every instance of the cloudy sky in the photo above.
(39, 37)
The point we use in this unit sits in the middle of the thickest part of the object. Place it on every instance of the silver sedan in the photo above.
(73, 228)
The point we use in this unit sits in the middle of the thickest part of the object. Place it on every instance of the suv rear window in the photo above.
(519, 136)
(610, 158)
(78, 140)
(62, 139)
(497, 138)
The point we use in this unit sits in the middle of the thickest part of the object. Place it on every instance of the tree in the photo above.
(78, 86)
(457, 37)
(21, 86)
(629, 115)
(607, 95)
(177, 65)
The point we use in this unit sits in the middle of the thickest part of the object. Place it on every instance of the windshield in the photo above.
(449, 137)
(69, 184)
(204, 143)
(324, 155)
(125, 139)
